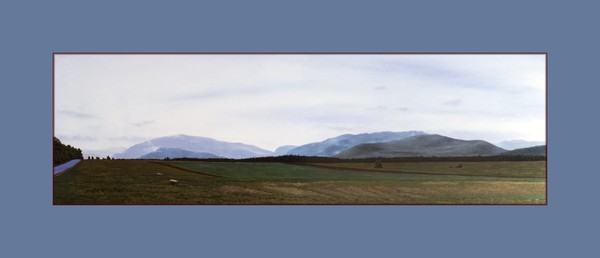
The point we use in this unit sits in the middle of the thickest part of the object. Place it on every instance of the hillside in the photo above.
(335, 145)
(194, 144)
(518, 144)
(282, 150)
(162, 153)
(423, 145)
(531, 151)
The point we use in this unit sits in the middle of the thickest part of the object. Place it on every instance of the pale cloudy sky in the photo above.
(106, 101)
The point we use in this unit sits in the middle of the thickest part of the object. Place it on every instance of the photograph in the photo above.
(299, 128)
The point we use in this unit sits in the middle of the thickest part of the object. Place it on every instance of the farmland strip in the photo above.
(407, 171)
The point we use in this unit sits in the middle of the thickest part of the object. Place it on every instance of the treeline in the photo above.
(63, 153)
(316, 159)
(98, 158)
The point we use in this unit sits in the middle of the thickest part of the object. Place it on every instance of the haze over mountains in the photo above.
(283, 150)
(335, 145)
(194, 144)
(423, 145)
(518, 144)
(365, 145)
(102, 152)
(535, 151)
(162, 153)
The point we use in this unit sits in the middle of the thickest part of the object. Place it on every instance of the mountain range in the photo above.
(531, 151)
(162, 153)
(518, 144)
(379, 144)
(335, 145)
(194, 144)
(423, 145)
(283, 150)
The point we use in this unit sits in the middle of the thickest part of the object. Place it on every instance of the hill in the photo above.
(335, 145)
(283, 150)
(531, 151)
(162, 153)
(518, 144)
(194, 144)
(423, 145)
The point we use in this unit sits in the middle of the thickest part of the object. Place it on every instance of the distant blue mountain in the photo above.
(530, 151)
(423, 145)
(333, 146)
(283, 150)
(195, 144)
(162, 153)
(518, 144)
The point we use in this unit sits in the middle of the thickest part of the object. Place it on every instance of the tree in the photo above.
(63, 153)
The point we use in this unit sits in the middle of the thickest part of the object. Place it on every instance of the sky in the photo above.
(104, 102)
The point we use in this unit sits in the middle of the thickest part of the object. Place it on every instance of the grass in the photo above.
(128, 182)
(137, 182)
(520, 169)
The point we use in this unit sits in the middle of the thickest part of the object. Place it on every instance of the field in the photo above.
(199, 182)
(527, 169)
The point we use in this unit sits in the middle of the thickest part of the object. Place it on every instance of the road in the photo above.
(62, 168)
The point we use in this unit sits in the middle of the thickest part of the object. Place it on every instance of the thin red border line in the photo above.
(316, 204)
(547, 129)
(52, 144)
(305, 53)
(300, 53)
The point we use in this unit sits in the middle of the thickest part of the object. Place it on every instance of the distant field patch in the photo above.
(521, 169)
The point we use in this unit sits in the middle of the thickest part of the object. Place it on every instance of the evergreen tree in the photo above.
(63, 153)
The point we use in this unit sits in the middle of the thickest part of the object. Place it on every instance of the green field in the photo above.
(521, 169)
(147, 182)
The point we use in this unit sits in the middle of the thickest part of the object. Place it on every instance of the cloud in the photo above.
(76, 114)
(380, 88)
(378, 108)
(128, 138)
(341, 128)
(402, 109)
(71, 138)
(143, 123)
(453, 103)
